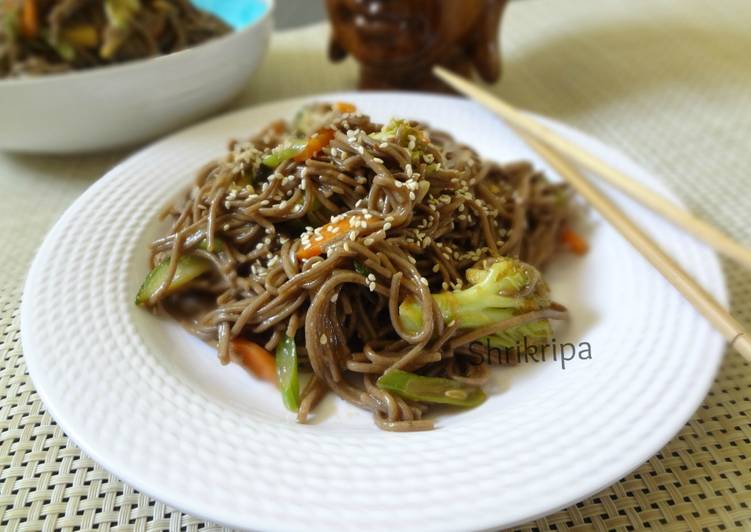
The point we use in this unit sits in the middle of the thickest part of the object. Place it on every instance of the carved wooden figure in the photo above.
(398, 41)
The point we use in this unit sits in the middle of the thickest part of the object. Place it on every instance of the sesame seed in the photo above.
(324, 339)
(436, 268)
(424, 281)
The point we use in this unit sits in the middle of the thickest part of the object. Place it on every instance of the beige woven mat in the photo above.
(669, 82)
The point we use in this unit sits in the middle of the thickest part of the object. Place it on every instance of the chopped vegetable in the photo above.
(360, 268)
(83, 35)
(315, 144)
(283, 152)
(188, 268)
(62, 47)
(400, 131)
(29, 19)
(9, 20)
(498, 292)
(299, 150)
(286, 370)
(255, 358)
(430, 389)
(120, 13)
(573, 241)
(329, 233)
(345, 107)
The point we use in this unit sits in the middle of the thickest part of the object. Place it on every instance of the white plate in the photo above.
(152, 404)
(120, 105)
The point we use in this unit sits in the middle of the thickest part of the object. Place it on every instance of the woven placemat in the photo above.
(669, 83)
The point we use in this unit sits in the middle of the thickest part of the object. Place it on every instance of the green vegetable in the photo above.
(188, 268)
(360, 268)
(120, 13)
(283, 152)
(499, 291)
(10, 23)
(430, 389)
(399, 130)
(306, 119)
(62, 47)
(286, 370)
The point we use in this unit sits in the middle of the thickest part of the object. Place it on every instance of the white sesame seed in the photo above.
(324, 339)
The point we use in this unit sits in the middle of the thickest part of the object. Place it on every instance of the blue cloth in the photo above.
(236, 13)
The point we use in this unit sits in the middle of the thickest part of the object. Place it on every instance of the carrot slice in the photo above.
(329, 233)
(574, 241)
(254, 357)
(315, 144)
(345, 107)
(29, 19)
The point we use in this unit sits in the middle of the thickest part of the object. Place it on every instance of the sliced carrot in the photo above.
(345, 107)
(573, 241)
(278, 127)
(329, 233)
(29, 19)
(254, 357)
(315, 144)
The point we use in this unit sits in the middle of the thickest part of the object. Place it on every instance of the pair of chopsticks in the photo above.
(553, 148)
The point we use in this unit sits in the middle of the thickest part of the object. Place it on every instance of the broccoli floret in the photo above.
(500, 289)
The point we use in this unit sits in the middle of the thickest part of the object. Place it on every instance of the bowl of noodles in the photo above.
(359, 311)
(84, 76)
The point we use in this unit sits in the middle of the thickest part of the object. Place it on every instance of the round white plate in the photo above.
(152, 404)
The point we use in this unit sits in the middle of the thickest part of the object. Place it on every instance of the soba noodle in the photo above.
(400, 212)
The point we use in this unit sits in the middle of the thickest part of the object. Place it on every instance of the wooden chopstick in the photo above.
(728, 326)
(680, 217)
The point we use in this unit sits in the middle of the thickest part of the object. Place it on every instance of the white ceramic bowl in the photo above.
(123, 105)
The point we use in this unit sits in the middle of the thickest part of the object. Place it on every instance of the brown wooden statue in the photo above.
(398, 41)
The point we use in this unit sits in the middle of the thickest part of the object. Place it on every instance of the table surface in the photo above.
(667, 82)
